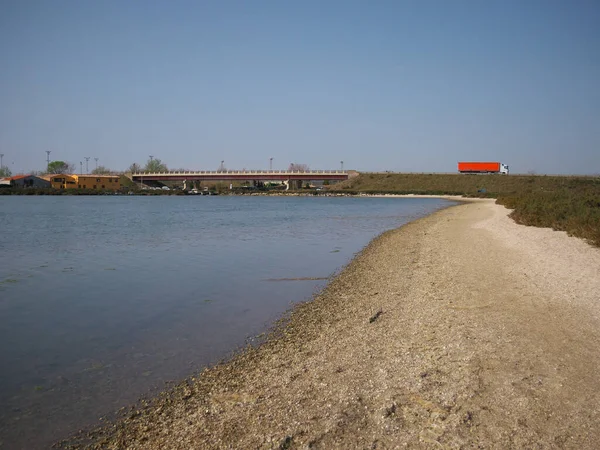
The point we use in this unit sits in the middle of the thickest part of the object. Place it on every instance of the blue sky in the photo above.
(382, 85)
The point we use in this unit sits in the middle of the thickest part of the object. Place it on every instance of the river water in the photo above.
(105, 299)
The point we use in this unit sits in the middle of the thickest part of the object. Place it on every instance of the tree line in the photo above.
(60, 167)
(152, 165)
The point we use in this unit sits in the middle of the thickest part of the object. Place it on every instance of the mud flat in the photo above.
(459, 330)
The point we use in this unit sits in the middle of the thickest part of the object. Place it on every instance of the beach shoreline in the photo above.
(458, 329)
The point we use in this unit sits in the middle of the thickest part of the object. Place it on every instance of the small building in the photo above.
(28, 181)
(63, 181)
(111, 182)
(93, 182)
(4, 182)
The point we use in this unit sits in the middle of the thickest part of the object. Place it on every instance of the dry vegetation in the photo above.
(566, 203)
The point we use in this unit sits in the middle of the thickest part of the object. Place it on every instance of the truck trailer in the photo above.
(482, 167)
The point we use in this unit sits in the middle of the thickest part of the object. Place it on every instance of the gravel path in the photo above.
(460, 330)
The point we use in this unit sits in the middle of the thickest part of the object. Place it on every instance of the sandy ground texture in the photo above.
(459, 330)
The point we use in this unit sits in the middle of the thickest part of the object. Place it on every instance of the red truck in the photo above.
(482, 167)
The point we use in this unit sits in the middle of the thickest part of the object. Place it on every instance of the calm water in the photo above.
(104, 299)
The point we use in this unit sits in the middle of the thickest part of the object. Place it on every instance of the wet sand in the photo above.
(459, 330)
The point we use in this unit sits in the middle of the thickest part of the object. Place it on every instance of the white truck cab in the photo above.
(503, 169)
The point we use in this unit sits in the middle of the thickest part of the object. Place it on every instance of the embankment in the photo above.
(462, 329)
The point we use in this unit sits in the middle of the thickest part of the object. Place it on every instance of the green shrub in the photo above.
(566, 203)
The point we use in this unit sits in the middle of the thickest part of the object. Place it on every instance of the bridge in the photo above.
(285, 176)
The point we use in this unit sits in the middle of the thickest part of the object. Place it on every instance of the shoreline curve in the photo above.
(461, 328)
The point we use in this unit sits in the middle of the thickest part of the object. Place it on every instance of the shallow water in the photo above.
(104, 299)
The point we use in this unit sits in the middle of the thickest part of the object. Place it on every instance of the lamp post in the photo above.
(80, 167)
(342, 163)
(1, 156)
(271, 164)
(96, 162)
(48, 158)
(87, 158)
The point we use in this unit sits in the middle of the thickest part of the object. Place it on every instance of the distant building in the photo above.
(111, 182)
(93, 182)
(64, 181)
(4, 182)
(28, 181)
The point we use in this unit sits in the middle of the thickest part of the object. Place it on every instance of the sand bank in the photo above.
(461, 329)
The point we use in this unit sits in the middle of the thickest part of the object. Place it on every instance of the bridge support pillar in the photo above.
(293, 184)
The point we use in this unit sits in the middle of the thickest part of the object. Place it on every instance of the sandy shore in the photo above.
(459, 330)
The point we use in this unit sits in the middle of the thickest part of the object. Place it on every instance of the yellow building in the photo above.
(106, 182)
(63, 181)
(110, 182)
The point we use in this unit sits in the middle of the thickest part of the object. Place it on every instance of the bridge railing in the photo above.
(242, 172)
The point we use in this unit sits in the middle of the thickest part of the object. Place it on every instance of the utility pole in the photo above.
(151, 158)
(87, 158)
(270, 164)
(48, 158)
(96, 162)
(1, 156)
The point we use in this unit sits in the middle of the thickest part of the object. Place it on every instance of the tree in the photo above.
(56, 167)
(5, 172)
(298, 167)
(155, 165)
(135, 168)
(101, 170)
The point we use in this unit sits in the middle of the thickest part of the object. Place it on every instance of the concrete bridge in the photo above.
(286, 176)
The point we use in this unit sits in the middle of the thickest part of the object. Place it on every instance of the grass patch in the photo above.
(574, 208)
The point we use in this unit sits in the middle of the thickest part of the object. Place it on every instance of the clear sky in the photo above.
(382, 85)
